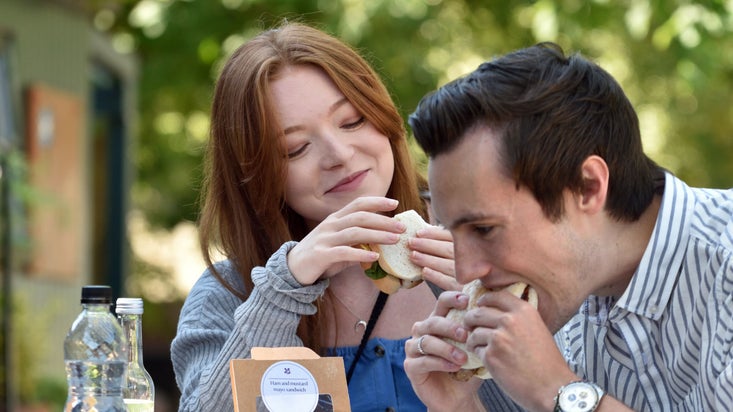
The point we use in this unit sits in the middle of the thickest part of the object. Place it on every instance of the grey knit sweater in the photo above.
(215, 326)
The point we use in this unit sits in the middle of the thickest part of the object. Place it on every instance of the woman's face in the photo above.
(334, 154)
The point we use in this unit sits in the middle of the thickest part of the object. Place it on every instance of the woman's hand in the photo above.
(432, 249)
(334, 244)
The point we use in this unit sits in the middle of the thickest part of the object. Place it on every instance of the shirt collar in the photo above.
(651, 286)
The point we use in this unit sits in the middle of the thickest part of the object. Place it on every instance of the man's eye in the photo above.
(355, 124)
(483, 230)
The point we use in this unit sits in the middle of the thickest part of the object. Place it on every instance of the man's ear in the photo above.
(592, 198)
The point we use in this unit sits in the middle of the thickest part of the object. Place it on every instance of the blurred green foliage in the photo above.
(674, 58)
(25, 343)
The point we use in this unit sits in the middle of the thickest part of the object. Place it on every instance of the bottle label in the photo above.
(288, 386)
(139, 405)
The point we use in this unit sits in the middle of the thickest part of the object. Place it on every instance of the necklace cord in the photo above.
(360, 321)
(376, 311)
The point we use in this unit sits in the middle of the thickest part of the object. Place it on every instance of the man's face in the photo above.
(500, 232)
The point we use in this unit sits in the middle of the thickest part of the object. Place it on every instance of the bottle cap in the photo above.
(96, 294)
(129, 306)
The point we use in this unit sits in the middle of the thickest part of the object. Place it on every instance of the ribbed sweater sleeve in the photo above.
(215, 327)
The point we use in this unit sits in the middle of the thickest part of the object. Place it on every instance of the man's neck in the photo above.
(627, 245)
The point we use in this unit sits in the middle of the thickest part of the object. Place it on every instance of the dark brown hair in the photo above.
(244, 213)
(551, 112)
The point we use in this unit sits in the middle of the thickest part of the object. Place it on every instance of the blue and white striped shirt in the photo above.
(666, 343)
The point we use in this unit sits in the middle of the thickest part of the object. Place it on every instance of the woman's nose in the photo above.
(336, 150)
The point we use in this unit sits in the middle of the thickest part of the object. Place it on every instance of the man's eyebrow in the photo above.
(340, 102)
(467, 218)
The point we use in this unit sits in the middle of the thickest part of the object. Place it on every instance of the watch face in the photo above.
(578, 397)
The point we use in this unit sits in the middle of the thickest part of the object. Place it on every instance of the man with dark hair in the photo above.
(537, 169)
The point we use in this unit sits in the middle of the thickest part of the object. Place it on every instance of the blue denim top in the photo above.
(379, 382)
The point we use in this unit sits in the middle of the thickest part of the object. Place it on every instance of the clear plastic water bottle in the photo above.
(138, 390)
(95, 353)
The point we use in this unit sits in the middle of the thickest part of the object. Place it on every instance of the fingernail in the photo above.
(461, 334)
(457, 355)
(462, 299)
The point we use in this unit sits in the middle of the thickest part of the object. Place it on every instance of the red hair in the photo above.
(243, 208)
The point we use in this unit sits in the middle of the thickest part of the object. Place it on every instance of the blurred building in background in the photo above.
(78, 131)
(67, 120)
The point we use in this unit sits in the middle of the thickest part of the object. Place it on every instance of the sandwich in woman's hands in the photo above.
(394, 270)
(474, 366)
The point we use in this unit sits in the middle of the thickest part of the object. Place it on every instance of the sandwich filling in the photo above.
(374, 271)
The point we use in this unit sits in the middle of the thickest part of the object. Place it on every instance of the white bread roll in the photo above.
(474, 366)
(395, 259)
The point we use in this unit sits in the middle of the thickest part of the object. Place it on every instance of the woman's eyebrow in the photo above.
(340, 102)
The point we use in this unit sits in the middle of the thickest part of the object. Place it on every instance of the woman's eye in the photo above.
(355, 124)
(295, 152)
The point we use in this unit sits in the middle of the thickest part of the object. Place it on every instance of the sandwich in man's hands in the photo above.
(474, 366)
(394, 270)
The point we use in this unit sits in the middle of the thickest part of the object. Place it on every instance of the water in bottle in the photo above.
(138, 390)
(95, 353)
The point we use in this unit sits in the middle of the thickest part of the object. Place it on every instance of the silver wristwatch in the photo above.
(578, 396)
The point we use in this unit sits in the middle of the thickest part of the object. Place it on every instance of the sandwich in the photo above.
(394, 270)
(474, 366)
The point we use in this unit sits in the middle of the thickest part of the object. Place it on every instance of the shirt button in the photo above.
(379, 351)
(653, 309)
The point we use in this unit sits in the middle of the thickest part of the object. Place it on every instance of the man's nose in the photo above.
(470, 263)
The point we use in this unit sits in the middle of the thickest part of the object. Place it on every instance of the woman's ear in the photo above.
(592, 198)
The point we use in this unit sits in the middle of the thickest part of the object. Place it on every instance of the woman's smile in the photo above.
(349, 183)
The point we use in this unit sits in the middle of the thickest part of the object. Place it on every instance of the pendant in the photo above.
(359, 324)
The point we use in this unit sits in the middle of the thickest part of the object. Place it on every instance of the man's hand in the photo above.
(429, 370)
(513, 342)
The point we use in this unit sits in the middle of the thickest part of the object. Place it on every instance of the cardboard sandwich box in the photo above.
(293, 379)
